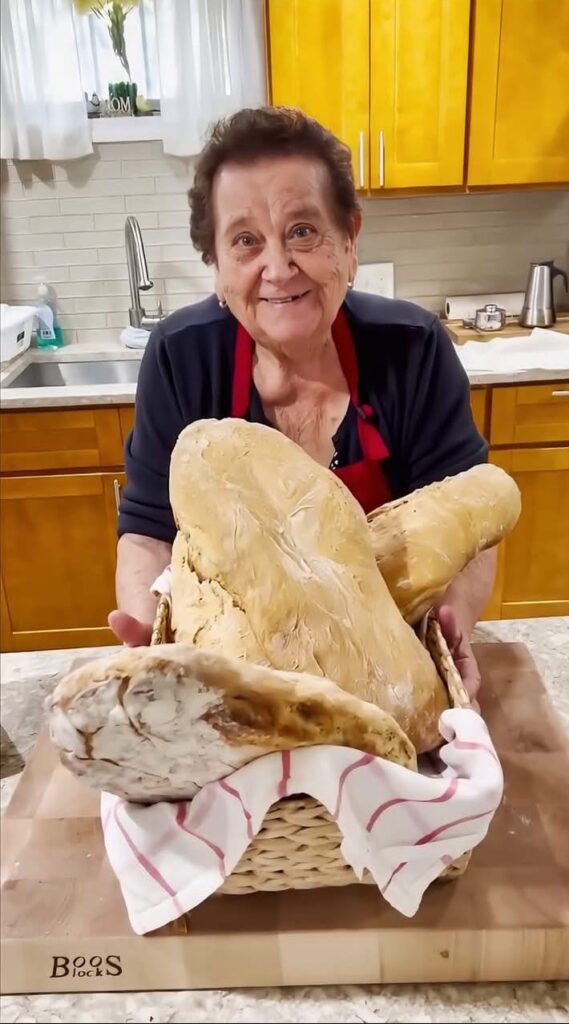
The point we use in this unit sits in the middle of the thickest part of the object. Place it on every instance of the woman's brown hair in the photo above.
(252, 134)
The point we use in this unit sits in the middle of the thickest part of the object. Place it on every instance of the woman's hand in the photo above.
(461, 651)
(130, 631)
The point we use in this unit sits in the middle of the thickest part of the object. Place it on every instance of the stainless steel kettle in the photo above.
(538, 309)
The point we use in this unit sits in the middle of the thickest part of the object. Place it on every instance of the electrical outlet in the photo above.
(377, 278)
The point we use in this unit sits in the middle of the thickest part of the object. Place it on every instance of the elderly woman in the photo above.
(369, 387)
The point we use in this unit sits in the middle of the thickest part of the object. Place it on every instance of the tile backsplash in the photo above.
(64, 224)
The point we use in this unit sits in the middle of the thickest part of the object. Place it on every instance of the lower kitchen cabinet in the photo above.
(58, 551)
(533, 563)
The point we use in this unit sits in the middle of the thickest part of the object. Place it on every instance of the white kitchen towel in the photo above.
(403, 826)
(541, 350)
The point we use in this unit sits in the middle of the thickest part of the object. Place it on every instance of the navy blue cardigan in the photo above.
(409, 373)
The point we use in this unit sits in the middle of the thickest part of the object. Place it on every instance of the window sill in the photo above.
(126, 129)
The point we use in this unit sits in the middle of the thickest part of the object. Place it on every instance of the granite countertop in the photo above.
(73, 395)
(28, 678)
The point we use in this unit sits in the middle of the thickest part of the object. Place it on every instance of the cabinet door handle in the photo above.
(362, 155)
(381, 160)
(117, 488)
(560, 394)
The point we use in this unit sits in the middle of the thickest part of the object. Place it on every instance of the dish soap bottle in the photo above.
(49, 333)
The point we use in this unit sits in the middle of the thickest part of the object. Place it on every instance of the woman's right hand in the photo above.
(130, 631)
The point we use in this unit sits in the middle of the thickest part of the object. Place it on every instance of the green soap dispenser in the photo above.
(49, 333)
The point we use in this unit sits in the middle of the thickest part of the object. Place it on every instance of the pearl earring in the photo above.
(350, 283)
(222, 303)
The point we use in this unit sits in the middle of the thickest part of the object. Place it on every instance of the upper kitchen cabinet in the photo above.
(419, 75)
(519, 126)
(389, 77)
(319, 62)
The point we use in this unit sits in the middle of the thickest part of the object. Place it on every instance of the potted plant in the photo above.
(122, 95)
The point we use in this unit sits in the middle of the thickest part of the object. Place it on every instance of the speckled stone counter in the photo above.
(28, 678)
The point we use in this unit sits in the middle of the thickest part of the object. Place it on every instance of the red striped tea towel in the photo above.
(403, 826)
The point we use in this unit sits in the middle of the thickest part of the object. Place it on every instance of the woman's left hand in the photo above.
(461, 651)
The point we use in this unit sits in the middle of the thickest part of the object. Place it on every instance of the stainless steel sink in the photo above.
(97, 371)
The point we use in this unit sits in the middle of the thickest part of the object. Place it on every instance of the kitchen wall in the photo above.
(65, 224)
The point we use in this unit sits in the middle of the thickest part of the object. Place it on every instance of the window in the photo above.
(99, 65)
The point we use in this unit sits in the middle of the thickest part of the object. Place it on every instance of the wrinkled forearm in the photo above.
(139, 561)
(470, 592)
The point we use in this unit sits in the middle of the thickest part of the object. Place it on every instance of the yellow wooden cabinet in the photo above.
(62, 470)
(529, 437)
(519, 123)
(533, 566)
(389, 77)
(418, 85)
(58, 547)
(392, 77)
(319, 62)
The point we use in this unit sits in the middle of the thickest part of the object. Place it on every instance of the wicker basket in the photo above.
(298, 846)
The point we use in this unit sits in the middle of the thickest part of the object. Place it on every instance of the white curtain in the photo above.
(43, 112)
(212, 62)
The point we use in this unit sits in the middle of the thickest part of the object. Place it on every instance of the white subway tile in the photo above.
(92, 204)
(166, 236)
(98, 336)
(25, 275)
(73, 257)
(93, 187)
(18, 292)
(16, 259)
(98, 293)
(44, 225)
(114, 254)
(179, 252)
(80, 171)
(142, 151)
(145, 169)
(15, 226)
(17, 208)
(171, 219)
(78, 320)
(108, 221)
(88, 239)
(187, 285)
(119, 320)
(33, 243)
(93, 304)
(168, 185)
(98, 272)
(177, 201)
(182, 269)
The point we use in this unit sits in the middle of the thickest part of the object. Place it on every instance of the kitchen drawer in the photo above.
(532, 414)
(41, 440)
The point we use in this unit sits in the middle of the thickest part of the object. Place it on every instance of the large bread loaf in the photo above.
(273, 564)
(423, 541)
(159, 723)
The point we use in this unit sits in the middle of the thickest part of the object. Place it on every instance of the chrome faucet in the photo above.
(138, 277)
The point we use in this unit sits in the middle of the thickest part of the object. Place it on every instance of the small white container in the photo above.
(16, 324)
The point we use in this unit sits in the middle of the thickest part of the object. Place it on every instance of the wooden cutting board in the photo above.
(511, 329)
(64, 926)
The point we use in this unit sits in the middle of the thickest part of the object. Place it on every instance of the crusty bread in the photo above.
(158, 723)
(273, 564)
(422, 542)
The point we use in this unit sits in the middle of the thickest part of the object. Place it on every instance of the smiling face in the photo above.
(282, 262)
